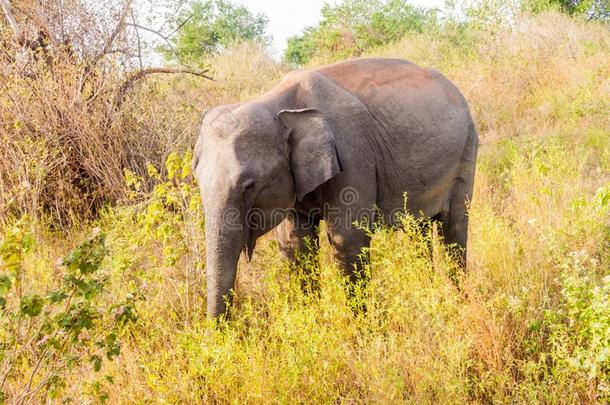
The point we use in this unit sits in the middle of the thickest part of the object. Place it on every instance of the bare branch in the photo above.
(133, 19)
(8, 14)
(153, 31)
(165, 38)
(115, 33)
(62, 23)
(124, 51)
(134, 78)
(180, 26)
(108, 49)
(41, 25)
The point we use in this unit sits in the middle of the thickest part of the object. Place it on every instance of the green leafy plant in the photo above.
(591, 9)
(210, 25)
(169, 220)
(45, 336)
(354, 26)
(580, 328)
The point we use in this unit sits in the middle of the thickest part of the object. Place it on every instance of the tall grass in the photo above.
(528, 323)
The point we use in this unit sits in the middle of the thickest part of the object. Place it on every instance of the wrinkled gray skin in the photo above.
(332, 144)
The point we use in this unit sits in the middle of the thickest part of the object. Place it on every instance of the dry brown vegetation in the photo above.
(70, 121)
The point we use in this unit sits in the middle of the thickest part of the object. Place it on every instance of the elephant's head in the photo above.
(252, 163)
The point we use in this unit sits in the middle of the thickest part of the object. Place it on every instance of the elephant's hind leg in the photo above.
(455, 224)
(455, 217)
(298, 239)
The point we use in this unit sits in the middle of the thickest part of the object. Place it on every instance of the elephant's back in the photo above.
(376, 81)
(359, 75)
(422, 123)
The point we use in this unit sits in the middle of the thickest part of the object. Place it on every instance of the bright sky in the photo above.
(288, 18)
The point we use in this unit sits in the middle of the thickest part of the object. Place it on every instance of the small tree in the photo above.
(591, 9)
(353, 26)
(210, 25)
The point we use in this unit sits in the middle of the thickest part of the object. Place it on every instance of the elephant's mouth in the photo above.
(250, 244)
(259, 223)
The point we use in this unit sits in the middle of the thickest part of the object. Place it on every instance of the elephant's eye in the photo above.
(248, 186)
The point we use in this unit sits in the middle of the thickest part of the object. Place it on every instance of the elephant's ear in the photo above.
(311, 144)
(197, 150)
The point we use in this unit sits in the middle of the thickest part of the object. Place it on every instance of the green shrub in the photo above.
(591, 9)
(44, 336)
(208, 26)
(157, 238)
(353, 26)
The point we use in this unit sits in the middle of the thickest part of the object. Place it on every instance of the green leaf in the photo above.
(152, 171)
(57, 296)
(56, 386)
(5, 283)
(87, 257)
(79, 317)
(172, 165)
(186, 164)
(31, 305)
(97, 362)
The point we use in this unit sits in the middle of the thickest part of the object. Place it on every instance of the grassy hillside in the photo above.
(529, 322)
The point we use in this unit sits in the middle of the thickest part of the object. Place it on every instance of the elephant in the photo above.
(343, 143)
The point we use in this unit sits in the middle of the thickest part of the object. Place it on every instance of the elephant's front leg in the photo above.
(348, 243)
(299, 242)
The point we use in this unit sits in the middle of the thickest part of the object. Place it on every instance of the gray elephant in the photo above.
(343, 144)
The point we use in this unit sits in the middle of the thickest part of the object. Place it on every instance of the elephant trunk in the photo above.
(224, 242)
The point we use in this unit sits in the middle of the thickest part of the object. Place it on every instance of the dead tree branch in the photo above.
(115, 33)
(139, 42)
(166, 38)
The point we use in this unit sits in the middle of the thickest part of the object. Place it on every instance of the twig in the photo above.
(42, 355)
(61, 22)
(133, 19)
(159, 34)
(90, 66)
(8, 14)
(166, 38)
(180, 26)
(151, 30)
(133, 79)
(117, 30)
(13, 356)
